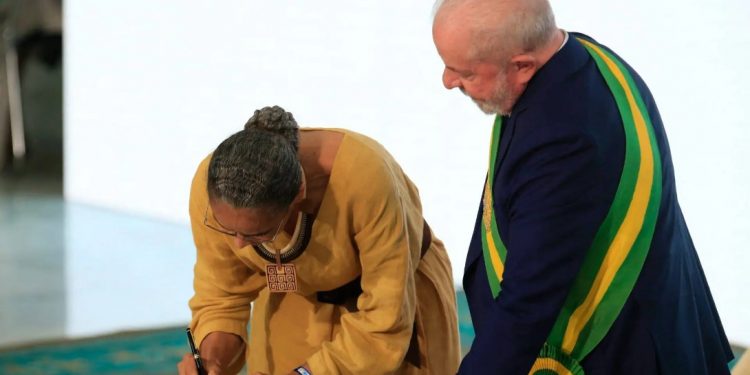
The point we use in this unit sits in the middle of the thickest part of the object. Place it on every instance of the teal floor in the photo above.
(154, 352)
(69, 270)
(146, 353)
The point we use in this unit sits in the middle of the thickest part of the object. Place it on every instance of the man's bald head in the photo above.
(497, 29)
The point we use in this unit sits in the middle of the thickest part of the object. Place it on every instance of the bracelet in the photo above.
(302, 371)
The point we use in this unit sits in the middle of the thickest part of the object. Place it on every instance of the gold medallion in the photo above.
(487, 211)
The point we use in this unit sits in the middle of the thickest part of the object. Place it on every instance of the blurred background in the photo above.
(106, 108)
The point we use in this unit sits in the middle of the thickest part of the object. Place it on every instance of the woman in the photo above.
(323, 232)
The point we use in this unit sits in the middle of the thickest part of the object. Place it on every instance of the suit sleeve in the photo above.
(375, 339)
(555, 201)
(224, 285)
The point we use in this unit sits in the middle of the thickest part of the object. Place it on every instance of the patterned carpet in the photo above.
(153, 352)
(148, 353)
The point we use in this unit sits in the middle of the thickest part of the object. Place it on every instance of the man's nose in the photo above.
(450, 79)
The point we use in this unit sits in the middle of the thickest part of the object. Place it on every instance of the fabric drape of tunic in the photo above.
(369, 224)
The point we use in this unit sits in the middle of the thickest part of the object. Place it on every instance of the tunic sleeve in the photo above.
(388, 226)
(224, 285)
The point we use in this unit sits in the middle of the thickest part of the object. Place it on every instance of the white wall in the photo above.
(152, 87)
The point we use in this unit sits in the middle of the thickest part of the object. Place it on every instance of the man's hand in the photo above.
(221, 353)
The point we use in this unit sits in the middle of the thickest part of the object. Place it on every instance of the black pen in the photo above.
(196, 354)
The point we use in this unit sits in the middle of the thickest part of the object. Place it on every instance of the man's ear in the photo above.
(523, 68)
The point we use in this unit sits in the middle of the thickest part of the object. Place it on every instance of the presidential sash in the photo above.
(618, 251)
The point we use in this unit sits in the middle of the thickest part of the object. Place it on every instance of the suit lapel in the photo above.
(475, 249)
(566, 62)
(509, 126)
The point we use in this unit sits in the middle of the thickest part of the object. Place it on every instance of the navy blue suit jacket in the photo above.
(560, 160)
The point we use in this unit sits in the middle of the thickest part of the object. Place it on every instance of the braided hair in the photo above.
(258, 166)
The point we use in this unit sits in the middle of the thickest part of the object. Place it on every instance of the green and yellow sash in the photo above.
(620, 246)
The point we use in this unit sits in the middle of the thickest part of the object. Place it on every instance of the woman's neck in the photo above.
(317, 153)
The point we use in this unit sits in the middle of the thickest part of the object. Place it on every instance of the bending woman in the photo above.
(323, 232)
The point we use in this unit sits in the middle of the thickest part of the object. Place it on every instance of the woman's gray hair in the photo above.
(258, 166)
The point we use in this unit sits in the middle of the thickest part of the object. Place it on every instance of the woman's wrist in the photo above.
(302, 370)
(224, 349)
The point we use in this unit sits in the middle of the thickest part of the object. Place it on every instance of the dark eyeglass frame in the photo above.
(255, 240)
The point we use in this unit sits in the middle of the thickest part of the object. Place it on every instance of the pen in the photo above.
(196, 354)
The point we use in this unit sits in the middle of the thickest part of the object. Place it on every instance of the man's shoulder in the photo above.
(580, 103)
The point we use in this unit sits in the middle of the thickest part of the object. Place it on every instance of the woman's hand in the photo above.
(187, 366)
(293, 372)
(221, 353)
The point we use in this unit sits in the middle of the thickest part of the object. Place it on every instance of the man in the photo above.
(581, 261)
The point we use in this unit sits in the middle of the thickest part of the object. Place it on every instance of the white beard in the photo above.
(494, 105)
(490, 108)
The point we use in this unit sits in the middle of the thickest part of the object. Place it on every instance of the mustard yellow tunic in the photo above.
(370, 224)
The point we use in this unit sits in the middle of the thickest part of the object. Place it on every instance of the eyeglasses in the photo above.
(253, 239)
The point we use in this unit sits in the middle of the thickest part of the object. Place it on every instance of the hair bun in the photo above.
(275, 120)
